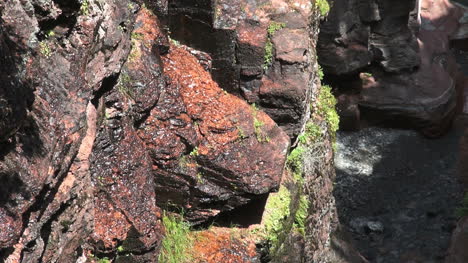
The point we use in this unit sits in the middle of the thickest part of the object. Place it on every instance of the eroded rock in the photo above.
(410, 76)
(211, 151)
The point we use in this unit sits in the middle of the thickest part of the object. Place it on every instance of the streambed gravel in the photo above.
(396, 193)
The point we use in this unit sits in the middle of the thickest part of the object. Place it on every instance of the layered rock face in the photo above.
(276, 79)
(106, 121)
(392, 62)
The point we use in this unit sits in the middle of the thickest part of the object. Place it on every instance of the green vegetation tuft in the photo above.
(50, 33)
(200, 178)
(463, 210)
(295, 160)
(104, 260)
(177, 244)
(241, 132)
(194, 152)
(273, 27)
(45, 49)
(312, 133)
(120, 249)
(277, 209)
(320, 72)
(326, 107)
(258, 125)
(174, 42)
(136, 36)
(322, 6)
(301, 213)
(268, 57)
(125, 84)
(84, 8)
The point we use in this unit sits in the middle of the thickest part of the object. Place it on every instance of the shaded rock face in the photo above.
(105, 122)
(457, 252)
(403, 48)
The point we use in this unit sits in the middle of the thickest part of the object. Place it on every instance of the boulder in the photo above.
(211, 151)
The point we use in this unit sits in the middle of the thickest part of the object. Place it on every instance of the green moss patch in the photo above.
(277, 211)
(326, 104)
(177, 244)
(322, 6)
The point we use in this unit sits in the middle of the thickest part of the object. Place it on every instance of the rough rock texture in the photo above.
(56, 75)
(410, 76)
(237, 43)
(225, 245)
(199, 138)
(105, 121)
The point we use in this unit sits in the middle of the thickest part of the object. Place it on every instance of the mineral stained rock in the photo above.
(104, 121)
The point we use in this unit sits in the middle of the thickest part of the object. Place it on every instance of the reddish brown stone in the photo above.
(225, 245)
(211, 151)
(291, 45)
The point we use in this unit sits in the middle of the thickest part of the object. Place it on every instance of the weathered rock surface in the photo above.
(410, 78)
(105, 122)
(211, 151)
(278, 79)
(55, 77)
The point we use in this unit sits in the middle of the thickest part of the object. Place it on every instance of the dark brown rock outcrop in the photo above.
(211, 151)
(51, 56)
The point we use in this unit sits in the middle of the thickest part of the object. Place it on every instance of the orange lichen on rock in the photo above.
(224, 245)
(221, 113)
(207, 142)
(110, 224)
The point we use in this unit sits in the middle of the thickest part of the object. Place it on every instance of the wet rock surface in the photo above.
(105, 122)
(272, 68)
(397, 193)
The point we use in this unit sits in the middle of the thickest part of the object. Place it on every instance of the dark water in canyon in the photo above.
(397, 193)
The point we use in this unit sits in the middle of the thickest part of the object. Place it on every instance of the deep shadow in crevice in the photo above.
(29, 139)
(107, 85)
(242, 216)
(11, 185)
(65, 22)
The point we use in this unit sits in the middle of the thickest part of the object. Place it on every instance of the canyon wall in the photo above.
(392, 62)
(115, 114)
